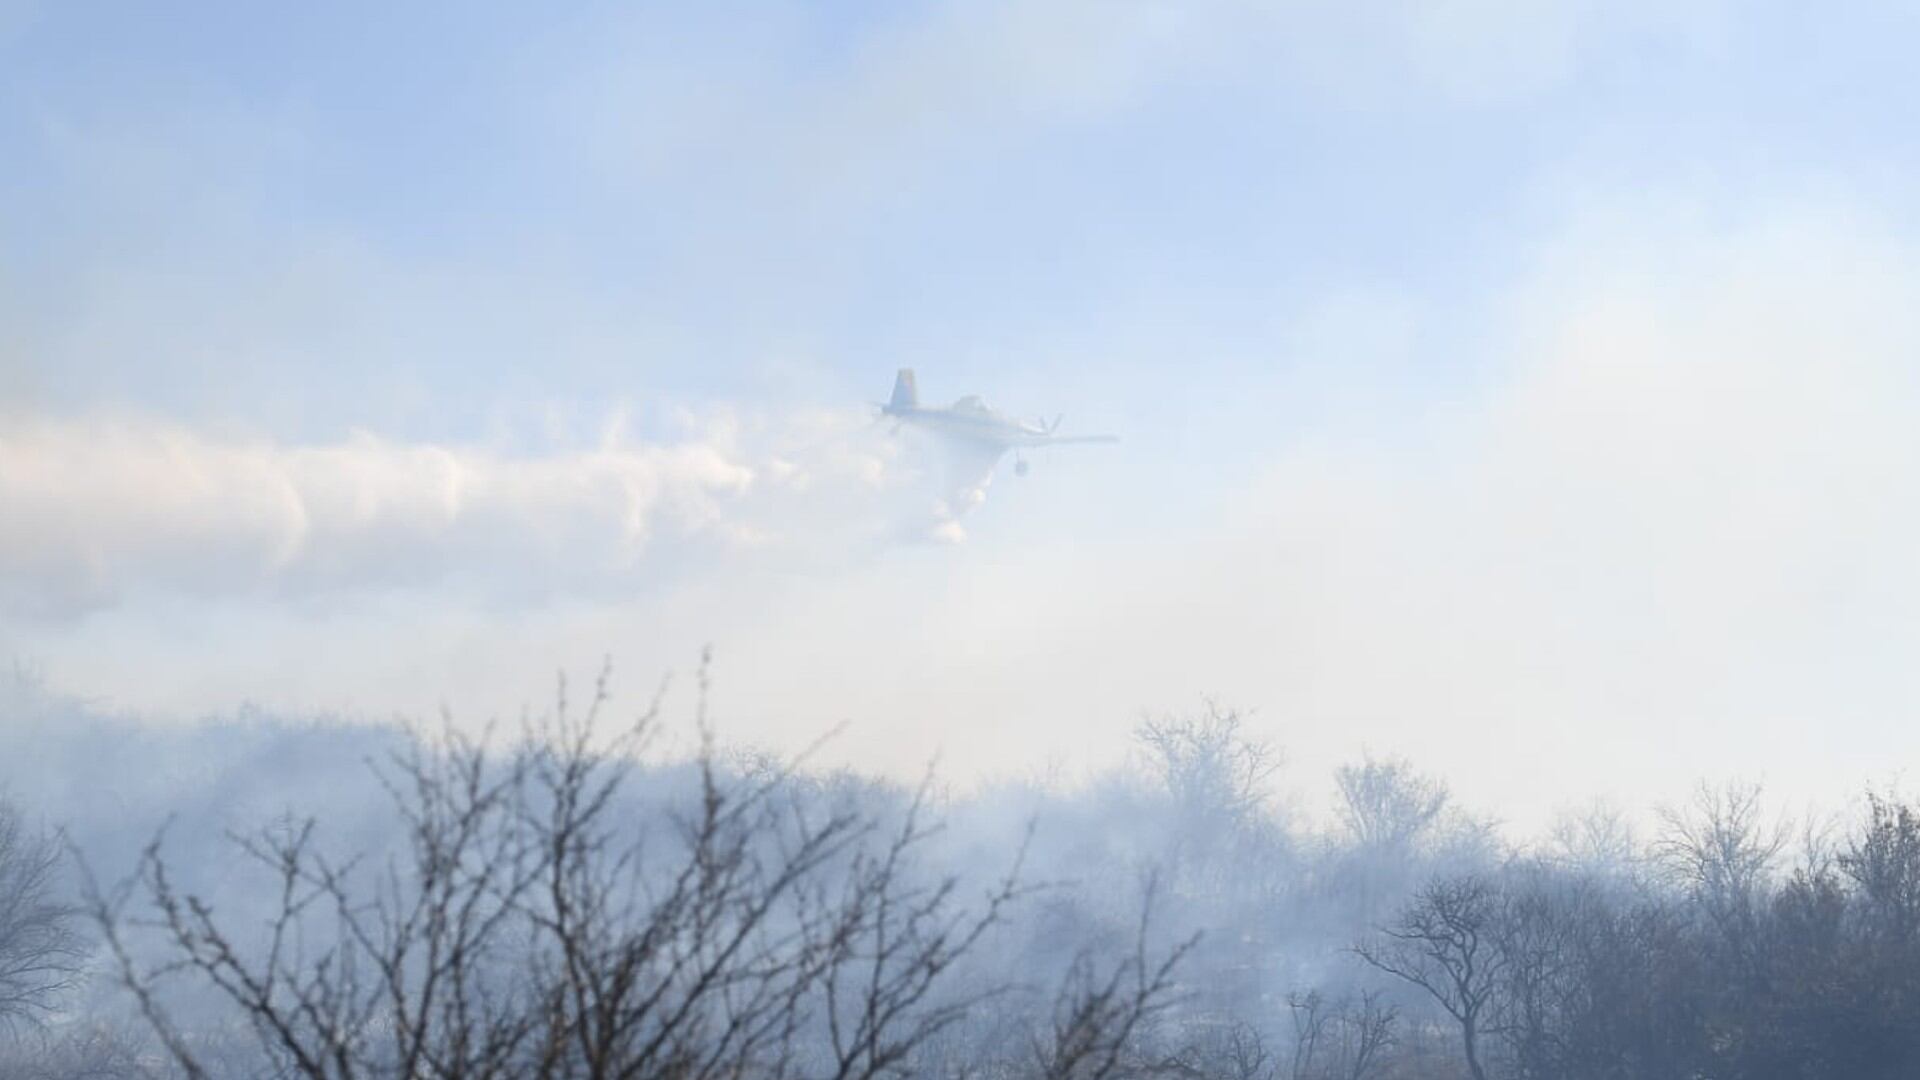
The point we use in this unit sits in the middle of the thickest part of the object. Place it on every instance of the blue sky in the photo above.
(847, 184)
(1496, 378)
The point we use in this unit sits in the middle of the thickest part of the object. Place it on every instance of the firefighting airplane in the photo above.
(977, 433)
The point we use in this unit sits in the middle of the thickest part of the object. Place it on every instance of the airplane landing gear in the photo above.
(1019, 466)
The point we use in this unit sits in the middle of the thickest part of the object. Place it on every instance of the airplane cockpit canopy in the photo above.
(971, 403)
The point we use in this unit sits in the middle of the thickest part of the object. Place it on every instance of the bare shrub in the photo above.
(527, 928)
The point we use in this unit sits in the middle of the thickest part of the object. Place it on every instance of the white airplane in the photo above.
(978, 434)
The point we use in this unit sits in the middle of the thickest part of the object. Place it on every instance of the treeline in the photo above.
(1713, 965)
(551, 904)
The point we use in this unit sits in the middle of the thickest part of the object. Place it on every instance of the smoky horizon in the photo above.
(1233, 540)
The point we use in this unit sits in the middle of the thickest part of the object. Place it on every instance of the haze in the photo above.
(1524, 388)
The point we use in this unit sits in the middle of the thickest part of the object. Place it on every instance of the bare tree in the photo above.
(1385, 803)
(1341, 1038)
(527, 929)
(1883, 862)
(1208, 763)
(1443, 943)
(1596, 838)
(84, 1051)
(1539, 921)
(40, 953)
(1235, 1051)
(1097, 1017)
(1722, 849)
(890, 945)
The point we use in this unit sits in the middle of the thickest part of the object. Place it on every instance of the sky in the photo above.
(1527, 388)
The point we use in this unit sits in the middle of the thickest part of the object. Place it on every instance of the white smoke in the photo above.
(96, 509)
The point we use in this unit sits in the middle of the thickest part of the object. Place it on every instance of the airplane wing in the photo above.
(1056, 440)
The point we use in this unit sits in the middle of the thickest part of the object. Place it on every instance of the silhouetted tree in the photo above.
(40, 953)
(1444, 943)
(1345, 1038)
(1884, 865)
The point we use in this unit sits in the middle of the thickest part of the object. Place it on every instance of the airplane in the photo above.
(976, 430)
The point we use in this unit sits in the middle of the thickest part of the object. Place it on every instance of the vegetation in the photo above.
(555, 906)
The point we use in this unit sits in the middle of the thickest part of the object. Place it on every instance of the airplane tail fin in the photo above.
(905, 394)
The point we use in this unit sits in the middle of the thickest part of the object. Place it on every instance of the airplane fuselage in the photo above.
(976, 424)
(970, 422)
